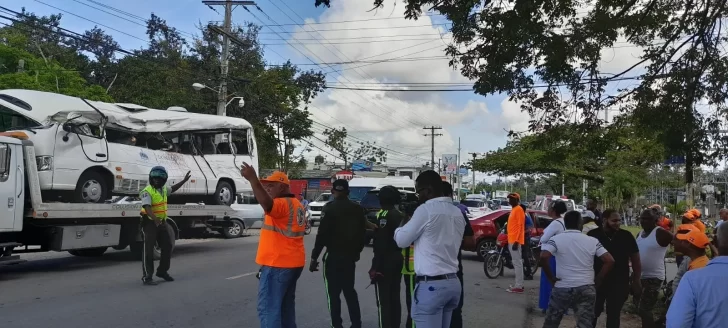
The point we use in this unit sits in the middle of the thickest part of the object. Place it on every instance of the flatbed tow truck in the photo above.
(82, 229)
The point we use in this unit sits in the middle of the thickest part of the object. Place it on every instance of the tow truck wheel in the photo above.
(137, 250)
(235, 230)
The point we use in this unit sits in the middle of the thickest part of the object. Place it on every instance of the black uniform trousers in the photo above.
(409, 283)
(387, 290)
(152, 235)
(339, 277)
(614, 295)
(457, 314)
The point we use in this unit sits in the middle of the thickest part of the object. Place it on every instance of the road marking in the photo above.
(242, 275)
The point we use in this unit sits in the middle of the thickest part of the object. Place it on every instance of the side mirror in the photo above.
(67, 127)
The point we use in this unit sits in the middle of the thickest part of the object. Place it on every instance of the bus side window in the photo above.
(120, 137)
(4, 162)
(240, 142)
(223, 143)
(87, 130)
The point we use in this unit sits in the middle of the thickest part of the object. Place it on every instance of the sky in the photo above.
(388, 49)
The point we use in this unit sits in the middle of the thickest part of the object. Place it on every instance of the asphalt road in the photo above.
(215, 287)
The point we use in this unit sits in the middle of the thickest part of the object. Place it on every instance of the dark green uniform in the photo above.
(388, 262)
(341, 231)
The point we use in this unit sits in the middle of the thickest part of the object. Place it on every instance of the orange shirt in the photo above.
(517, 226)
(698, 263)
(281, 236)
(699, 224)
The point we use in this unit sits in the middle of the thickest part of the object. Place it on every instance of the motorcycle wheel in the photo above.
(493, 265)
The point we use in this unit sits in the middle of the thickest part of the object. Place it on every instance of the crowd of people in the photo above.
(587, 270)
(590, 265)
(418, 246)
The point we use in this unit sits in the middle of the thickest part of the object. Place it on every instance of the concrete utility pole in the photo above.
(475, 155)
(433, 135)
(460, 178)
(227, 27)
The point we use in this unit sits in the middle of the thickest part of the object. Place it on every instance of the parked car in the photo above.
(476, 207)
(317, 205)
(503, 204)
(246, 212)
(487, 227)
(371, 205)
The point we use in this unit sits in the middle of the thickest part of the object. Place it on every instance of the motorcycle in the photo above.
(308, 225)
(500, 257)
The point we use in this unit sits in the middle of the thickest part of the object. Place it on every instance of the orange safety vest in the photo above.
(281, 241)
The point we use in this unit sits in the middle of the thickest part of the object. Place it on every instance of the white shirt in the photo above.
(556, 227)
(652, 255)
(574, 252)
(436, 229)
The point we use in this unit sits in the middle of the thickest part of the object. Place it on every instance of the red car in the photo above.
(488, 226)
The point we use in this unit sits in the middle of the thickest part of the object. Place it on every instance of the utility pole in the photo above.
(460, 178)
(432, 134)
(472, 166)
(227, 27)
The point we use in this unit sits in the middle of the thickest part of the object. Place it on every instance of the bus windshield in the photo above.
(357, 193)
(11, 120)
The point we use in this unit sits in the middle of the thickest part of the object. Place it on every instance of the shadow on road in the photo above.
(72, 263)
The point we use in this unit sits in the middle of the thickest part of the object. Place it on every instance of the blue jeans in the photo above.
(434, 302)
(277, 297)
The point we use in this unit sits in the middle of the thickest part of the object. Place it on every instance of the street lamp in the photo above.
(200, 86)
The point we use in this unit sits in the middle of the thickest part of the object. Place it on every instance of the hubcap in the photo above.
(235, 229)
(485, 248)
(91, 191)
(225, 195)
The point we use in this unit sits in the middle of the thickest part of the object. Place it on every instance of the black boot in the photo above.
(165, 276)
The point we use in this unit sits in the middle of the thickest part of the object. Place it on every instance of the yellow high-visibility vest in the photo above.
(159, 202)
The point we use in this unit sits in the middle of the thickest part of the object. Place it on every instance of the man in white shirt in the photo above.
(436, 229)
(575, 286)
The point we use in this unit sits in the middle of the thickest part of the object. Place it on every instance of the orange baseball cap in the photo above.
(689, 215)
(696, 214)
(277, 176)
(695, 237)
(514, 195)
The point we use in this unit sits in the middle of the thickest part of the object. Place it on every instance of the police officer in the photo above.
(154, 225)
(386, 271)
(341, 231)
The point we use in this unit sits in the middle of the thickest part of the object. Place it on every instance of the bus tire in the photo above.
(91, 188)
(224, 194)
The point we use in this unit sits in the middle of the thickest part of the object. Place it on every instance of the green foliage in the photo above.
(36, 74)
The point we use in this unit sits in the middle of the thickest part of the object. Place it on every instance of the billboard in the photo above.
(346, 175)
(450, 163)
(463, 171)
(361, 165)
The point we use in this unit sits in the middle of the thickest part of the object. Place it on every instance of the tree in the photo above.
(522, 47)
(336, 139)
(42, 75)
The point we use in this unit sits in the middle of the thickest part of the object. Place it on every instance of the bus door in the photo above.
(80, 143)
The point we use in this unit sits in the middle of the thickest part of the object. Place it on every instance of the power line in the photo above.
(307, 57)
(350, 42)
(425, 58)
(432, 134)
(95, 22)
(353, 20)
(364, 28)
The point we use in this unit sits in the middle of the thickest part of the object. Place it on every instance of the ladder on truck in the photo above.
(48, 211)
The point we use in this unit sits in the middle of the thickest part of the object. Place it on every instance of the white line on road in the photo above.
(242, 275)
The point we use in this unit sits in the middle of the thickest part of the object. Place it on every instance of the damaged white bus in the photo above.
(88, 151)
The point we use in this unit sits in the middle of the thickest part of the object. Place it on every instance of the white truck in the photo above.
(82, 229)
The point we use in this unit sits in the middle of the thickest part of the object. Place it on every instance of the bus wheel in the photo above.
(224, 194)
(91, 188)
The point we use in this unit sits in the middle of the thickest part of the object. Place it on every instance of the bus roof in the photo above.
(47, 107)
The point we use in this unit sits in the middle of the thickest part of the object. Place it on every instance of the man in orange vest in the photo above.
(281, 254)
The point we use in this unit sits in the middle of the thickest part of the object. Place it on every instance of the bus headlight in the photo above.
(44, 163)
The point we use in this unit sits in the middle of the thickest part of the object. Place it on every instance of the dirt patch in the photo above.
(536, 317)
